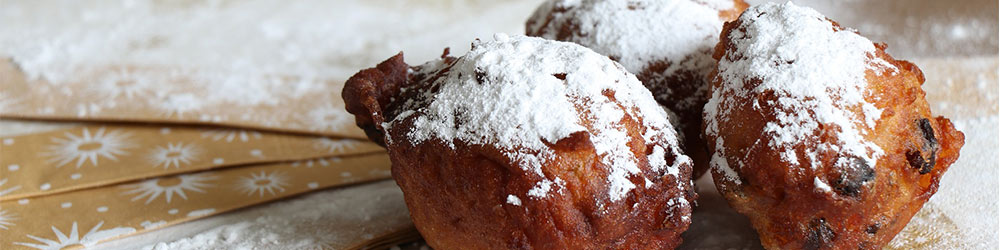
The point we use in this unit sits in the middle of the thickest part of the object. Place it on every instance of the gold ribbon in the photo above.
(92, 156)
(86, 217)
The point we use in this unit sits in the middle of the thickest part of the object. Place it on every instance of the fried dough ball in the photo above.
(527, 143)
(666, 43)
(821, 138)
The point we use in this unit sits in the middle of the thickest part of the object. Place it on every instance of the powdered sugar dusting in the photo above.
(816, 71)
(541, 189)
(637, 33)
(521, 94)
(640, 33)
(722, 165)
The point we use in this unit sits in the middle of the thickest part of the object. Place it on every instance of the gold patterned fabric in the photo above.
(86, 217)
(97, 155)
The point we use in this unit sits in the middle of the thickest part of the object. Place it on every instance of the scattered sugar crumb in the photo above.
(513, 200)
(821, 186)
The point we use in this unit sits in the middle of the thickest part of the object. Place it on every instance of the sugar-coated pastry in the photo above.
(817, 135)
(666, 43)
(527, 143)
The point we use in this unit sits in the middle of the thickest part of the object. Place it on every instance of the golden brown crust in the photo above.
(458, 207)
(370, 90)
(867, 207)
(456, 195)
(682, 84)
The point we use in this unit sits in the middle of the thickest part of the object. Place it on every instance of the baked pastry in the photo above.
(527, 143)
(666, 43)
(818, 135)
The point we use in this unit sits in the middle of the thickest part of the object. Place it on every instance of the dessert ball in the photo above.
(667, 44)
(817, 135)
(527, 143)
